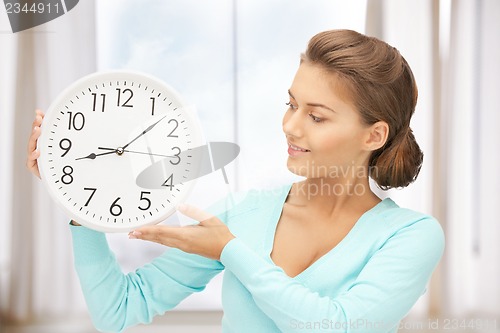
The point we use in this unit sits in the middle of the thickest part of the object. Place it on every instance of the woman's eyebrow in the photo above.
(313, 104)
(321, 106)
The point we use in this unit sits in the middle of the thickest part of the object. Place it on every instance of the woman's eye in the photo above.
(290, 105)
(314, 118)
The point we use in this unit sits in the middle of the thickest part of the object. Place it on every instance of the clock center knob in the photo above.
(120, 151)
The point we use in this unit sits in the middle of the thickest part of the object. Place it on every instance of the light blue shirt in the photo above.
(367, 283)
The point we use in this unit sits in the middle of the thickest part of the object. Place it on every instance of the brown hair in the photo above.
(382, 87)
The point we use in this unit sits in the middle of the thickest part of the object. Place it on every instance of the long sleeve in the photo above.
(115, 300)
(389, 284)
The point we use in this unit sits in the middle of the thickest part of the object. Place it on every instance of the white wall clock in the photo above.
(101, 133)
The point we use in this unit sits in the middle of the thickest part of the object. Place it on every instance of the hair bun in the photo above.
(398, 163)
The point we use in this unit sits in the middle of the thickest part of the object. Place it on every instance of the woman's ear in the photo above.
(377, 135)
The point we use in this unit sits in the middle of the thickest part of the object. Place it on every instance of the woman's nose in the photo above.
(293, 123)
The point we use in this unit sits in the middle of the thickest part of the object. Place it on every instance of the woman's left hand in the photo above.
(207, 238)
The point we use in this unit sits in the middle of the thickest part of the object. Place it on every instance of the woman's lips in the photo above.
(296, 150)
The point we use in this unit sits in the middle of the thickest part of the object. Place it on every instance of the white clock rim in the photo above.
(42, 142)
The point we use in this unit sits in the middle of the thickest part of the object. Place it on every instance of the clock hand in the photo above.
(92, 156)
(144, 132)
(135, 152)
(121, 150)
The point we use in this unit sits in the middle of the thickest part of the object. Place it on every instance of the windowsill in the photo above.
(175, 321)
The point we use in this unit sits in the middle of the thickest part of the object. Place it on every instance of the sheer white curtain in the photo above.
(471, 107)
(37, 279)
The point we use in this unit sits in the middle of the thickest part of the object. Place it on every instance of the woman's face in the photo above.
(324, 130)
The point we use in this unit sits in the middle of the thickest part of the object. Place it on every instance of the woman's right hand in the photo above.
(33, 153)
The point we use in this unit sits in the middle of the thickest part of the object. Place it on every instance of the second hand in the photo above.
(134, 152)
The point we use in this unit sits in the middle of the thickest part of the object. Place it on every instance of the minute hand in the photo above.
(144, 132)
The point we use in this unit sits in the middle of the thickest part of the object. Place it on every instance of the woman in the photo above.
(322, 254)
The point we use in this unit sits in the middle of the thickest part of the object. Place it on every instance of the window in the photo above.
(234, 60)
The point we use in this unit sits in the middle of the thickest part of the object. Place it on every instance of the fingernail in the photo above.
(134, 234)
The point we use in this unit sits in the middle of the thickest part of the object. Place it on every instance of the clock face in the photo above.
(101, 133)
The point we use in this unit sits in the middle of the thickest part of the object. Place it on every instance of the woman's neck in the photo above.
(334, 196)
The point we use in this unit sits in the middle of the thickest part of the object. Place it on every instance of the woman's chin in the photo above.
(297, 168)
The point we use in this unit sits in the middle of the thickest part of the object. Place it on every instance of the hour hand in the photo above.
(92, 156)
